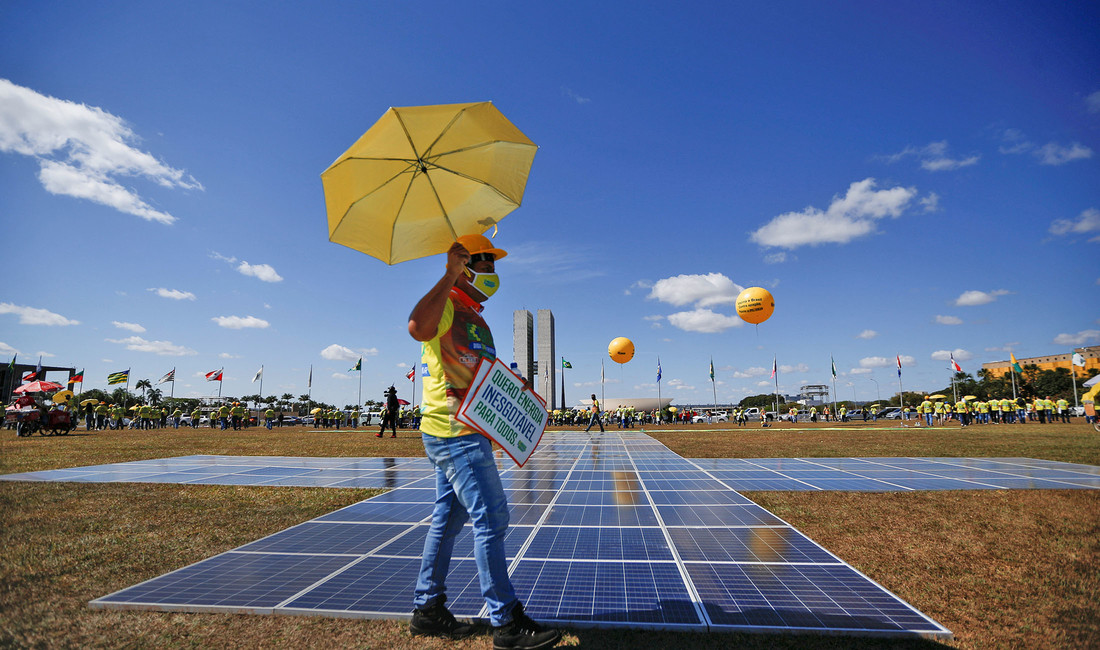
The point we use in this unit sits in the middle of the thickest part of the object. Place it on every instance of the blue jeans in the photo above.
(467, 487)
(594, 419)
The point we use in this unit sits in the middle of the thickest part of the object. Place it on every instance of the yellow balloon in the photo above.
(755, 305)
(621, 350)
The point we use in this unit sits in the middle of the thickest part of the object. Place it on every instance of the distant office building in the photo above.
(1091, 355)
(811, 394)
(523, 342)
(542, 370)
(547, 385)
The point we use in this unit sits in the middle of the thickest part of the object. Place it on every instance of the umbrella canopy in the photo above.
(315, 411)
(62, 397)
(89, 401)
(38, 387)
(423, 176)
(966, 397)
(937, 396)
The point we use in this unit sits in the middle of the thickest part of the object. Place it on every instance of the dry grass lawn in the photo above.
(1000, 569)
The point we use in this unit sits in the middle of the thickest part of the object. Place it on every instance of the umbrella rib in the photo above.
(443, 210)
(443, 131)
(475, 180)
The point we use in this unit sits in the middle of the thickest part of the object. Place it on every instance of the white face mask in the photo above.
(485, 283)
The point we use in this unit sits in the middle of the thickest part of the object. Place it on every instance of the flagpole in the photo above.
(603, 400)
(1073, 367)
(713, 390)
(659, 409)
(775, 373)
(261, 389)
(172, 395)
(359, 400)
(309, 387)
(563, 383)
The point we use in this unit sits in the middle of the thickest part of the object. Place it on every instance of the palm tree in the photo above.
(143, 385)
(154, 396)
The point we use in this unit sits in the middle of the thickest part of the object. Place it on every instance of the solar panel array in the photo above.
(779, 474)
(609, 530)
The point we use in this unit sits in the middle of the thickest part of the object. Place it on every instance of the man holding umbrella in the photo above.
(455, 337)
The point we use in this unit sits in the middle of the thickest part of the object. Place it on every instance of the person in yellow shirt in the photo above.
(454, 339)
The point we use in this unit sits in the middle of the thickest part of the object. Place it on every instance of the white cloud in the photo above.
(1092, 102)
(6, 349)
(340, 375)
(34, 315)
(948, 320)
(1087, 222)
(934, 157)
(860, 371)
(1084, 337)
(224, 355)
(133, 327)
(82, 151)
(1015, 142)
(337, 352)
(678, 384)
(703, 290)
(174, 294)
(775, 258)
(789, 369)
(574, 96)
(240, 322)
(867, 335)
(945, 355)
(931, 202)
(262, 271)
(752, 372)
(847, 218)
(975, 298)
(1053, 153)
(163, 348)
(875, 362)
(704, 320)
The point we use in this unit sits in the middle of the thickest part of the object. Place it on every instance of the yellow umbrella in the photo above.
(61, 397)
(422, 176)
(89, 401)
(937, 396)
(970, 397)
(315, 411)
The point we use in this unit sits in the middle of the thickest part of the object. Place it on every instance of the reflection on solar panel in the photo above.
(607, 530)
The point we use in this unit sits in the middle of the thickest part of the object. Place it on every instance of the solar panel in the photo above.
(610, 530)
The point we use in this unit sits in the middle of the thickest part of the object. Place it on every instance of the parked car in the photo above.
(890, 413)
(752, 413)
(716, 416)
(1077, 411)
(308, 420)
(855, 414)
(291, 420)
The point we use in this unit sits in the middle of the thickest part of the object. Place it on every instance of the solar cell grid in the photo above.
(704, 557)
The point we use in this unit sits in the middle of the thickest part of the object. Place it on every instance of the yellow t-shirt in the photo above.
(462, 340)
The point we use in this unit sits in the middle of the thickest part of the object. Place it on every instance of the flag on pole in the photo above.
(259, 373)
(30, 376)
(566, 365)
(215, 375)
(899, 367)
(1078, 359)
(658, 370)
(358, 367)
(601, 370)
(775, 368)
(954, 366)
(309, 384)
(832, 364)
(11, 364)
(118, 377)
(78, 377)
(171, 376)
(412, 375)
(712, 369)
(38, 368)
(1015, 363)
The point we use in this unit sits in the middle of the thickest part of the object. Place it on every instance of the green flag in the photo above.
(565, 364)
(1015, 363)
(118, 377)
(833, 364)
(358, 366)
(712, 369)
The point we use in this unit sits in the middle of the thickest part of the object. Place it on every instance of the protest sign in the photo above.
(503, 409)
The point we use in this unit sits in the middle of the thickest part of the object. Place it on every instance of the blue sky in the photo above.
(913, 178)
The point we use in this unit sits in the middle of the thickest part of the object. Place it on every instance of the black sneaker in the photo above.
(437, 620)
(523, 634)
